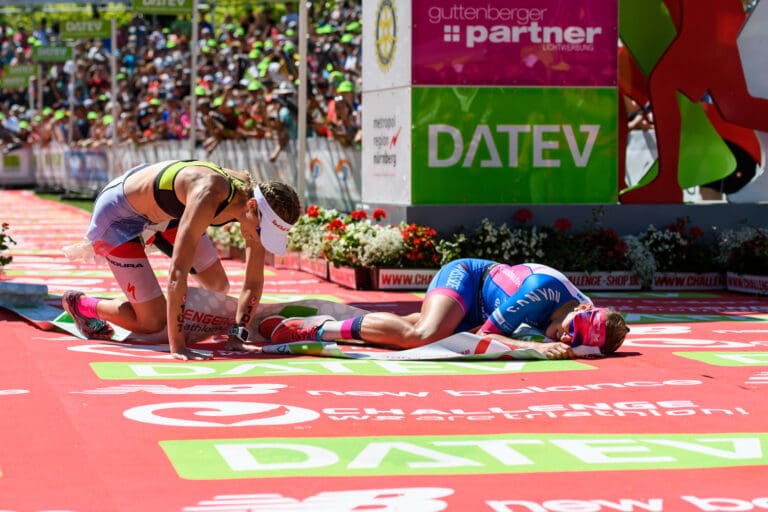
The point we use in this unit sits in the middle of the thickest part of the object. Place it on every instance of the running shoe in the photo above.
(299, 329)
(91, 328)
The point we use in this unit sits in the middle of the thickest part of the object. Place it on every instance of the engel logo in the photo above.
(533, 34)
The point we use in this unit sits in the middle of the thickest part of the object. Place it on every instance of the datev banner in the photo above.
(514, 145)
(86, 29)
(536, 42)
(163, 6)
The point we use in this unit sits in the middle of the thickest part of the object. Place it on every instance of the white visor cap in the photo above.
(274, 230)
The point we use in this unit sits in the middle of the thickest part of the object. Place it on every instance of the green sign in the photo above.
(514, 145)
(320, 366)
(51, 53)
(263, 457)
(86, 29)
(17, 77)
(163, 6)
(728, 358)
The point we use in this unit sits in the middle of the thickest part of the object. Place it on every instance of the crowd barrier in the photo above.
(332, 171)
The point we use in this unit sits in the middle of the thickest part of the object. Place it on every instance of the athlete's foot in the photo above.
(299, 329)
(92, 328)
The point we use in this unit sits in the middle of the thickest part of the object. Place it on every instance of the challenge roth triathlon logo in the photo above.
(386, 34)
(509, 25)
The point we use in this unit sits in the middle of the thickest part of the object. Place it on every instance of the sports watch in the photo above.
(239, 331)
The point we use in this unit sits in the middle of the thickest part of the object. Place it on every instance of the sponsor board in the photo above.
(86, 29)
(525, 43)
(509, 150)
(163, 6)
(747, 283)
(319, 366)
(402, 278)
(51, 53)
(214, 459)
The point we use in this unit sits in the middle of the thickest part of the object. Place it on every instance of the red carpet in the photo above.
(679, 422)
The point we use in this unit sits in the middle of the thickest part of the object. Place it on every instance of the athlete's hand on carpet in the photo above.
(239, 345)
(555, 350)
(187, 355)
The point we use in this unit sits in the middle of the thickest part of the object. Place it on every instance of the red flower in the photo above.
(563, 225)
(358, 215)
(313, 211)
(379, 214)
(336, 225)
(696, 232)
(523, 215)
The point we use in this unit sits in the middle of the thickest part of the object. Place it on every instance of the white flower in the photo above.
(642, 259)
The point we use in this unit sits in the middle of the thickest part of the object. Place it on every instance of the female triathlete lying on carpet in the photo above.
(489, 299)
(175, 202)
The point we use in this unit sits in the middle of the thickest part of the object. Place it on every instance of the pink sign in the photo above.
(515, 43)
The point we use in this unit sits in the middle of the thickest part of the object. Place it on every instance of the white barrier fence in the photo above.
(332, 172)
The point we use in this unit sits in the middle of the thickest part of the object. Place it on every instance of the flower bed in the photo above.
(675, 257)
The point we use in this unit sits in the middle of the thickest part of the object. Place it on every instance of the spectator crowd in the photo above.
(247, 81)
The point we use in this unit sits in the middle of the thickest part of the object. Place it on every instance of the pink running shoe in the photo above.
(91, 328)
(299, 329)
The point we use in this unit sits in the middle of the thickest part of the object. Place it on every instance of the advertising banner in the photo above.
(514, 145)
(532, 43)
(386, 44)
(86, 29)
(386, 151)
(163, 6)
(17, 76)
(51, 53)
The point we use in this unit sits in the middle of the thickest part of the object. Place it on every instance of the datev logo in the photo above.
(386, 34)
(509, 25)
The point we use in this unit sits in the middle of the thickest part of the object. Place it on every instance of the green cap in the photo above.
(107, 119)
(170, 44)
(288, 46)
(290, 32)
(92, 115)
(255, 85)
(258, 44)
(154, 101)
(120, 76)
(200, 91)
(254, 54)
(24, 125)
(218, 101)
(324, 29)
(335, 76)
(353, 27)
(47, 111)
(347, 38)
(346, 86)
(59, 114)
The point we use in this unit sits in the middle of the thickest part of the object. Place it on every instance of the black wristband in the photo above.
(239, 331)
